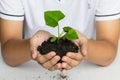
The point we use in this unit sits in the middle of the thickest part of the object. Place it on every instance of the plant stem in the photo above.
(58, 32)
(61, 34)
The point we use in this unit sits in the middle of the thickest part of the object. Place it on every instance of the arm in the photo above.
(103, 50)
(0, 29)
(15, 50)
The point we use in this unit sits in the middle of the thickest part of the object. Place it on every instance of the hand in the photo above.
(48, 61)
(73, 59)
(82, 43)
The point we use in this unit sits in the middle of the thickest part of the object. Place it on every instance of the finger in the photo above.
(51, 62)
(82, 43)
(84, 49)
(76, 42)
(49, 55)
(75, 56)
(34, 52)
(44, 58)
(63, 71)
(56, 67)
(66, 66)
(70, 61)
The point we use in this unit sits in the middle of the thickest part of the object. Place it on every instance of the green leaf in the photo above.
(53, 39)
(67, 28)
(53, 17)
(71, 35)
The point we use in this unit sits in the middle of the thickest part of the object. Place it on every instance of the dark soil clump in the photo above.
(61, 47)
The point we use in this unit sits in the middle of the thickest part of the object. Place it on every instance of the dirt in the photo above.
(61, 47)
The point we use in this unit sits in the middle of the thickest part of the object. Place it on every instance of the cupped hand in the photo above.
(48, 61)
(71, 60)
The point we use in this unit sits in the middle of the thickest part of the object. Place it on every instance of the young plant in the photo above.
(62, 43)
(52, 19)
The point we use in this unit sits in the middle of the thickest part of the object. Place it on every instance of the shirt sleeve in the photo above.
(107, 10)
(11, 10)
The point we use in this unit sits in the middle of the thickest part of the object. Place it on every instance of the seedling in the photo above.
(52, 19)
(62, 43)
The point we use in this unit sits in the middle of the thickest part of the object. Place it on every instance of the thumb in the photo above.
(84, 49)
(34, 53)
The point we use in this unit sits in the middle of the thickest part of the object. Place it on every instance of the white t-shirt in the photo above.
(80, 14)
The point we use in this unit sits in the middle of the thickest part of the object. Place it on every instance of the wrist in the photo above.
(29, 48)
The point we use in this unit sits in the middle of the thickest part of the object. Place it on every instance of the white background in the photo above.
(85, 71)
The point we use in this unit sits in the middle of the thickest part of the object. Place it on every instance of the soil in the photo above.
(61, 47)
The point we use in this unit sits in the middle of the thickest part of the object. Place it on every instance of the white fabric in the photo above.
(80, 14)
(108, 10)
(11, 9)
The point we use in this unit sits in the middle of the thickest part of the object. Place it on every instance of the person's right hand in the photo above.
(48, 61)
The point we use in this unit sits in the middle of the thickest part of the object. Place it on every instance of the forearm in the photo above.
(101, 52)
(16, 52)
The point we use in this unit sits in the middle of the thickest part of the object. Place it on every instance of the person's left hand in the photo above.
(73, 59)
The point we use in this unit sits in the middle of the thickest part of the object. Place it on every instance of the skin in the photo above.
(101, 51)
(23, 50)
(0, 25)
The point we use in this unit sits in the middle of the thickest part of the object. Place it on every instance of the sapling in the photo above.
(52, 19)
(62, 43)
